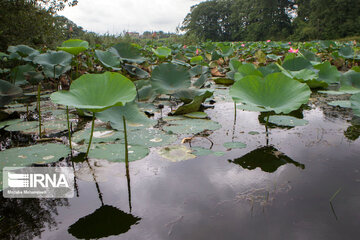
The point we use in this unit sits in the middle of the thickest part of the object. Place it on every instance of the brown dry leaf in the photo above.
(215, 73)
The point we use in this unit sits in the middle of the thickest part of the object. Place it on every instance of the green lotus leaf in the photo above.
(101, 135)
(198, 70)
(53, 58)
(115, 152)
(234, 145)
(136, 71)
(288, 121)
(108, 59)
(127, 52)
(33, 77)
(276, 92)
(8, 92)
(194, 105)
(201, 80)
(169, 78)
(273, 57)
(196, 115)
(328, 73)
(183, 125)
(18, 73)
(74, 46)
(251, 108)
(247, 69)
(343, 104)
(134, 117)
(296, 64)
(268, 69)
(150, 137)
(162, 52)
(355, 104)
(351, 78)
(196, 60)
(234, 64)
(23, 50)
(97, 92)
(176, 153)
(9, 122)
(59, 70)
(199, 151)
(225, 50)
(346, 52)
(40, 153)
(349, 90)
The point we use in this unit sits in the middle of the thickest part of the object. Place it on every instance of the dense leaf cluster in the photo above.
(254, 20)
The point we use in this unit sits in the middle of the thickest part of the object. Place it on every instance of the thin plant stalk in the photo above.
(68, 125)
(127, 163)
(39, 110)
(267, 130)
(91, 135)
(234, 112)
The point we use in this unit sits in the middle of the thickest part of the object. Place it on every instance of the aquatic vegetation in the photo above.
(96, 93)
(74, 46)
(8, 92)
(355, 104)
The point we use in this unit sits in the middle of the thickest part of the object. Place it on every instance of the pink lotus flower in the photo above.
(197, 51)
(243, 45)
(185, 47)
(268, 41)
(289, 43)
(293, 50)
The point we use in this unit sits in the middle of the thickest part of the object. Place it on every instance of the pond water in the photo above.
(275, 190)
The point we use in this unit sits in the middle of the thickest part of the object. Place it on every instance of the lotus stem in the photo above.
(68, 125)
(39, 110)
(91, 135)
(266, 128)
(234, 112)
(127, 163)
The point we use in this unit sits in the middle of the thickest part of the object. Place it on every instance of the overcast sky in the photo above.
(115, 16)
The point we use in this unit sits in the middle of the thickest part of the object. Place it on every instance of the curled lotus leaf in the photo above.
(74, 46)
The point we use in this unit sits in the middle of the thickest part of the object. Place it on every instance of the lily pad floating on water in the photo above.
(288, 121)
(100, 135)
(343, 104)
(116, 152)
(199, 151)
(189, 126)
(196, 115)
(176, 153)
(168, 78)
(194, 105)
(268, 159)
(234, 145)
(276, 92)
(150, 138)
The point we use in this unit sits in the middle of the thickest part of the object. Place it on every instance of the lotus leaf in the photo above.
(162, 52)
(53, 58)
(97, 92)
(196, 60)
(196, 115)
(116, 152)
(184, 125)
(168, 78)
(136, 71)
(199, 151)
(247, 69)
(134, 117)
(8, 92)
(18, 73)
(74, 46)
(24, 51)
(343, 104)
(176, 153)
(108, 59)
(351, 78)
(233, 145)
(194, 105)
(355, 104)
(296, 64)
(276, 92)
(127, 52)
(201, 80)
(328, 73)
(288, 121)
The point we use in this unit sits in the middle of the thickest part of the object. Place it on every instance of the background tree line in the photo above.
(255, 20)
